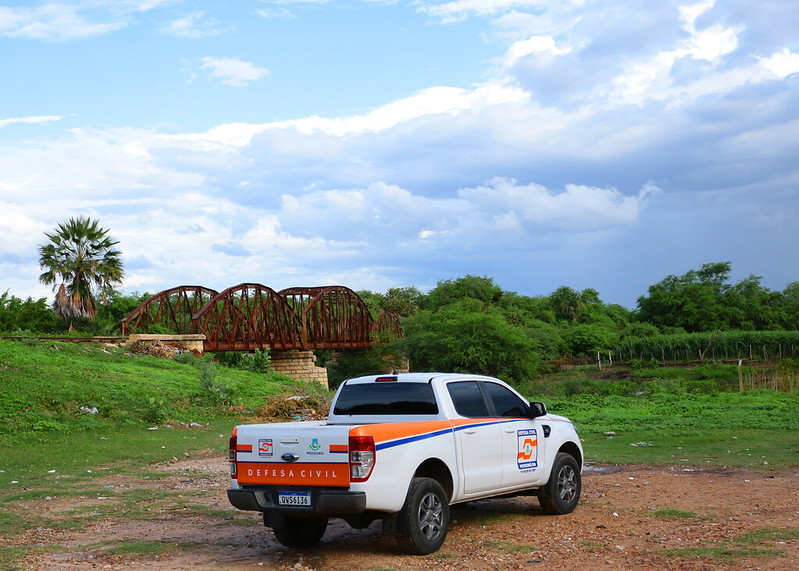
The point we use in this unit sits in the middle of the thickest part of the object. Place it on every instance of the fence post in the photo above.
(740, 377)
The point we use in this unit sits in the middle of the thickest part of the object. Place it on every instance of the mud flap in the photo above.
(274, 520)
(390, 526)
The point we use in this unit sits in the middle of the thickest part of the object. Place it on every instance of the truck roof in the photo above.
(414, 377)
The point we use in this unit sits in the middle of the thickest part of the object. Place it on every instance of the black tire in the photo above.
(562, 492)
(424, 519)
(301, 532)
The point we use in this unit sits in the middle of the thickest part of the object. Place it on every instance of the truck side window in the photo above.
(468, 399)
(505, 402)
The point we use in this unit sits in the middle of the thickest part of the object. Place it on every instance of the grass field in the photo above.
(46, 389)
(79, 407)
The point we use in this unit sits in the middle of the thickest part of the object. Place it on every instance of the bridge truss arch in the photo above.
(333, 317)
(387, 327)
(248, 316)
(169, 311)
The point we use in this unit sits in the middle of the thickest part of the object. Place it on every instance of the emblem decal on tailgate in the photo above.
(265, 447)
(316, 448)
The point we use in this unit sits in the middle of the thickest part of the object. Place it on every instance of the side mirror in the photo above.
(537, 409)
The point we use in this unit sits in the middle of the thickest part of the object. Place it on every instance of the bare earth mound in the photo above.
(634, 517)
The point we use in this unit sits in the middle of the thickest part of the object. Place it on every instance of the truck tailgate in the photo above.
(293, 454)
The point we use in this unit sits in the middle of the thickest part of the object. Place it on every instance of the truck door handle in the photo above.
(469, 430)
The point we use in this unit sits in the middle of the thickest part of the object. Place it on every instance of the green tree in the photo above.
(526, 311)
(568, 303)
(403, 301)
(693, 301)
(638, 330)
(80, 261)
(592, 311)
(754, 307)
(108, 320)
(790, 297)
(469, 337)
(586, 339)
(31, 315)
(447, 292)
(374, 301)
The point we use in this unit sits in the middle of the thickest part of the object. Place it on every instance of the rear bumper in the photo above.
(324, 502)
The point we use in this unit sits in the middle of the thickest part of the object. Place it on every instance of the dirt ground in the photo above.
(630, 517)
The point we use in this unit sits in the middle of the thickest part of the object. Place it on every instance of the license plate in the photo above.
(294, 498)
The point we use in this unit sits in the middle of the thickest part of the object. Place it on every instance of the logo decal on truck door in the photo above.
(527, 457)
(265, 447)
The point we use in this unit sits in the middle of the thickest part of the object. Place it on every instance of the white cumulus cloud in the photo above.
(232, 71)
(193, 26)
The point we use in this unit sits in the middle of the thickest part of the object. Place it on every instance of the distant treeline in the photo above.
(471, 324)
(36, 316)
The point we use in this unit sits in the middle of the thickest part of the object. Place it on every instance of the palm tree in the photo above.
(81, 256)
(566, 302)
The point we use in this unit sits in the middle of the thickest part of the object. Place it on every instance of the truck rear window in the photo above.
(386, 398)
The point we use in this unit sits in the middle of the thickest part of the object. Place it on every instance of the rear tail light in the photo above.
(232, 454)
(362, 457)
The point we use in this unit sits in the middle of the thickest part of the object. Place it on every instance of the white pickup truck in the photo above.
(403, 448)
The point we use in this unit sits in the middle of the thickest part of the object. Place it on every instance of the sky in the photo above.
(374, 144)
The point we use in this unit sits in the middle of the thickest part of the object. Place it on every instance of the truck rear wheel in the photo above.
(562, 492)
(301, 532)
(424, 519)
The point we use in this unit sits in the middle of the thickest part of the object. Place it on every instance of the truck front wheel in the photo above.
(562, 491)
(300, 532)
(424, 519)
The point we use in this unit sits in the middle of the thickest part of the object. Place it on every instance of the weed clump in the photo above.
(297, 407)
(215, 391)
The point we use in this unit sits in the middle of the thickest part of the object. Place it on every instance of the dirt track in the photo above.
(634, 517)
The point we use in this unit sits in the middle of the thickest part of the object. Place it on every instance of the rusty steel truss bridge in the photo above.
(252, 316)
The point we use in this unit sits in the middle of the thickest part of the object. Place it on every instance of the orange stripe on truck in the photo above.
(321, 474)
(399, 433)
(397, 430)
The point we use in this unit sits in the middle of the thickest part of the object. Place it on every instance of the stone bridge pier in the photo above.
(299, 365)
